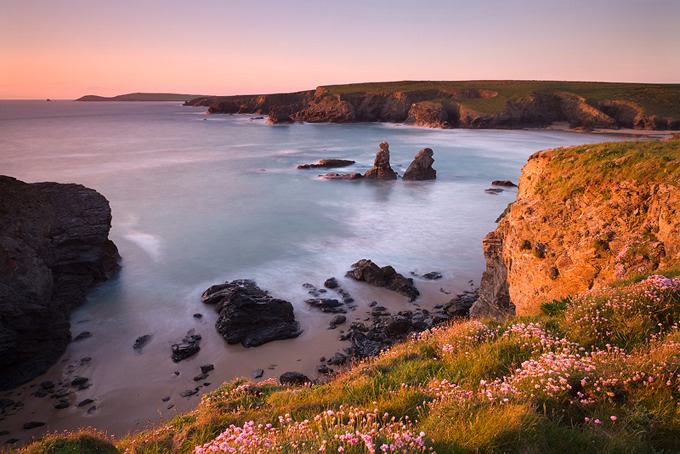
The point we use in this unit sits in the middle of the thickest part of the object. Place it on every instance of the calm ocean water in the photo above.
(200, 199)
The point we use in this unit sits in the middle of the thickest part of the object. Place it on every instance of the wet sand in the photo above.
(631, 133)
(134, 399)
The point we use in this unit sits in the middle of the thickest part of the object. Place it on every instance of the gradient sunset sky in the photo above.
(63, 49)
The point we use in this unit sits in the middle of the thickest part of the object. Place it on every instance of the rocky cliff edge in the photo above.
(502, 104)
(584, 216)
(54, 246)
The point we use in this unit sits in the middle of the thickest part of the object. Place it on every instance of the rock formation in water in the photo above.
(421, 167)
(366, 271)
(249, 315)
(327, 164)
(381, 169)
(584, 216)
(54, 247)
(467, 105)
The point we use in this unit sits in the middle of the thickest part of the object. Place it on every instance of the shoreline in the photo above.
(141, 400)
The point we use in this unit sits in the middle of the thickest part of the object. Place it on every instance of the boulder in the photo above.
(187, 348)
(54, 247)
(381, 169)
(294, 378)
(327, 305)
(367, 271)
(249, 315)
(421, 167)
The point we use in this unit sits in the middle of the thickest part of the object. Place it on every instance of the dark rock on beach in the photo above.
(337, 320)
(187, 348)
(421, 167)
(249, 315)
(141, 341)
(327, 164)
(381, 169)
(327, 305)
(54, 247)
(293, 378)
(367, 271)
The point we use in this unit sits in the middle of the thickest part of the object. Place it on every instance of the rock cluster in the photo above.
(421, 167)
(54, 246)
(381, 169)
(249, 315)
(367, 271)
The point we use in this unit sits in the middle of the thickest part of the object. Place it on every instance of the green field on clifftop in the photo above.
(655, 99)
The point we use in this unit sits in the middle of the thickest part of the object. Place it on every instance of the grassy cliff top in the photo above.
(573, 169)
(655, 99)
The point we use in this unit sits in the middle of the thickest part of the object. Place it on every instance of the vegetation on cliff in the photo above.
(583, 217)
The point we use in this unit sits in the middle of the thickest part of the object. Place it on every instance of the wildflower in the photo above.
(612, 417)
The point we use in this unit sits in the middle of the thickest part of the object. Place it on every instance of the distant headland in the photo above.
(141, 97)
(499, 104)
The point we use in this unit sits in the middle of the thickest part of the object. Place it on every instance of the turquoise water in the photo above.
(200, 199)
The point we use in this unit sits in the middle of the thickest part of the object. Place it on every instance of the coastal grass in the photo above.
(595, 373)
(654, 99)
(599, 167)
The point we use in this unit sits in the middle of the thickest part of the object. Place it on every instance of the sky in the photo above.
(64, 49)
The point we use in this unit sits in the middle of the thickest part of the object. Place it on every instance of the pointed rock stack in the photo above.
(381, 169)
(421, 167)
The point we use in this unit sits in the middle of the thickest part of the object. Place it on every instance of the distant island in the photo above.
(141, 97)
(507, 104)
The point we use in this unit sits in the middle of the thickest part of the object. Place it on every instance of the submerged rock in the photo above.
(249, 315)
(367, 271)
(421, 167)
(327, 164)
(505, 183)
(342, 176)
(381, 169)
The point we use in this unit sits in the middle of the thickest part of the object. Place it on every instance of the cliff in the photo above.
(584, 216)
(53, 247)
(470, 104)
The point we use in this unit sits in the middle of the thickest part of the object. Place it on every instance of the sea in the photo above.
(200, 199)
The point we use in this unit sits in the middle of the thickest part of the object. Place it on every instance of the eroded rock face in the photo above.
(562, 237)
(54, 247)
(249, 315)
(421, 167)
(381, 169)
(366, 271)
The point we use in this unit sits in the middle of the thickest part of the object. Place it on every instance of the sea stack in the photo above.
(381, 169)
(421, 167)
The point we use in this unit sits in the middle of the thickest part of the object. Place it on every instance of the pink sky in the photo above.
(68, 48)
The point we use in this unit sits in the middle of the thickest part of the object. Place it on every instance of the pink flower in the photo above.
(612, 417)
